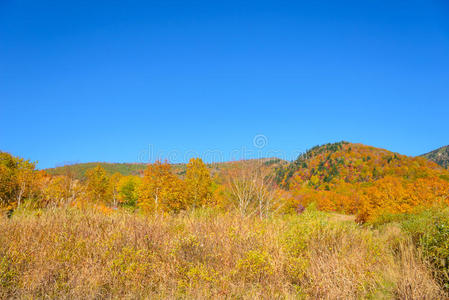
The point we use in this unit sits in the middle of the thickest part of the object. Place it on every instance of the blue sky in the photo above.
(118, 80)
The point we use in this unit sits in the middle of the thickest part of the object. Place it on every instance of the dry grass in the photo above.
(68, 253)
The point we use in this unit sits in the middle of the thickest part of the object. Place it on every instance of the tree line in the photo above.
(245, 186)
(345, 178)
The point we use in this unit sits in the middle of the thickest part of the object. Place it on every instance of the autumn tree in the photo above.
(114, 188)
(25, 176)
(252, 189)
(8, 182)
(161, 190)
(219, 193)
(198, 183)
(397, 195)
(242, 188)
(128, 190)
(265, 192)
(97, 185)
(73, 186)
(17, 179)
(61, 189)
(56, 190)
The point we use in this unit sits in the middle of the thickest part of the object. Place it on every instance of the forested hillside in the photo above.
(363, 180)
(440, 156)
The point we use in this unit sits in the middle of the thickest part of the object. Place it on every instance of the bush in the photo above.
(254, 267)
(430, 233)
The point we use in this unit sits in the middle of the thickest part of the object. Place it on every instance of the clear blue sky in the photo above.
(102, 80)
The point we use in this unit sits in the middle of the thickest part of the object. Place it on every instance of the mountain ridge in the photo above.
(440, 156)
(78, 170)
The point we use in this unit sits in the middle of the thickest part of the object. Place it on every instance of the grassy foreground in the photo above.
(71, 253)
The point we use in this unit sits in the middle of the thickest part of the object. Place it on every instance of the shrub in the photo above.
(254, 267)
(430, 232)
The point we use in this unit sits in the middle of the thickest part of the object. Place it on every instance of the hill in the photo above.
(79, 170)
(363, 180)
(440, 156)
(331, 164)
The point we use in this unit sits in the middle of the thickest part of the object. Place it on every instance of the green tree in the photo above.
(128, 190)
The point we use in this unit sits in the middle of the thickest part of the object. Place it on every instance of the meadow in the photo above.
(89, 253)
(343, 221)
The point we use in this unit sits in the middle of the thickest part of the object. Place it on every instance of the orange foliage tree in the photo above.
(397, 195)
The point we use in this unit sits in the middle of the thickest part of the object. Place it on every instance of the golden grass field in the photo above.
(87, 254)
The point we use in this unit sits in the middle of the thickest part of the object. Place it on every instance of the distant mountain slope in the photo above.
(440, 156)
(79, 170)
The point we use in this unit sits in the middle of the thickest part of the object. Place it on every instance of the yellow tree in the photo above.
(54, 190)
(219, 193)
(8, 181)
(25, 179)
(161, 190)
(114, 187)
(198, 183)
(18, 180)
(97, 185)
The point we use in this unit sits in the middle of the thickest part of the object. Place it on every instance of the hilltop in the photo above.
(440, 156)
